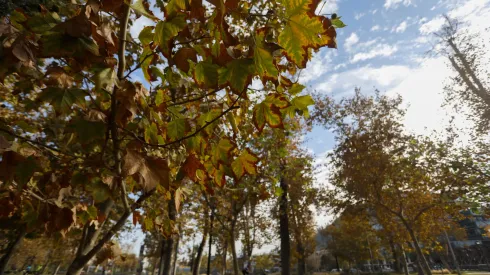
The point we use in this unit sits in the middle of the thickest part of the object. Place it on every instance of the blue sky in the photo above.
(384, 47)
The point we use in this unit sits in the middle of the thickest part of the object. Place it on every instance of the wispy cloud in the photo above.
(402, 27)
(375, 28)
(393, 4)
(380, 50)
(351, 41)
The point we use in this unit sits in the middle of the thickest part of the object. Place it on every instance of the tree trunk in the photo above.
(284, 229)
(301, 259)
(161, 263)
(236, 269)
(453, 256)
(396, 257)
(223, 256)
(196, 265)
(4, 261)
(176, 251)
(56, 269)
(169, 243)
(337, 262)
(211, 221)
(420, 255)
(404, 260)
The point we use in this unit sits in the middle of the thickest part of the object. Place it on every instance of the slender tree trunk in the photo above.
(396, 257)
(223, 256)
(451, 251)
(4, 261)
(420, 255)
(236, 269)
(211, 221)
(196, 265)
(404, 260)
(176, 251)
(161, 264)
(284, 229)
(301, 259)
(56, 269)
(446, 264)
(170, 242)
(337, 262)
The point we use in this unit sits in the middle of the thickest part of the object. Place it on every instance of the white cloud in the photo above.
(402, 27)
(380, 50)
(317, 67)
(328, 6)
(351, 41)
(374, 11)
(432, 25)
(384, 77)
(375, 28)
(393, 4)
(358, 16)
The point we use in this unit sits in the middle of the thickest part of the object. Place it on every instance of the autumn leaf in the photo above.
(182, 57)
(222, 151)
(267, 114)
(303, 30)
(245, 164)
(165, 31)
(206, 74)
(178, 198)
(176, 128)
(237, 74)
(263, 59)
(149, 171)
(140, 8)
(191, 165)
(63, 99)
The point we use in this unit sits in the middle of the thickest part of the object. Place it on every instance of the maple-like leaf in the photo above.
(263, 59)
(191, 165)
(222, 151)
(173, 7)
(237, 74)
(303, 30)
(63, 99)
(176, 128)
(142, 8)
(182, 57)
(206, 74)
(165, 31)
(246, 163)
(149, 171)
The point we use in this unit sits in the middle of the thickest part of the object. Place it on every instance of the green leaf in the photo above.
(302, 102)
(88, 131)
(222, 151)
(165, 31)
(173, 7)
(267, 114)
(208, 117)
(263, 60)
(25, 171)
(146, 35)
(43, 22)
(237, 74)
(63, 99)
(92, 212)
(139, 7)
(176, 128)
(245, 163)
(302, 31)
(88, 45)
(338, 23)
(151, 133)
(296, 89)
(105, 78)
(206, 74)
(160, 97)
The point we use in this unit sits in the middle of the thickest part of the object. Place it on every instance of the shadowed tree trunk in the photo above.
(396, 257)
(284, 229)
(451, 251)
(196, 265)
(13, 245)
(404, 260)
(169, 243)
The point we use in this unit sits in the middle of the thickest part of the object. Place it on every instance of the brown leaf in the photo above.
(96, 115)
(136, 217)
(9, 161)
(182, 57)
(58, 77)
(191, 165)
(60, 219)
(22, 51)
(114, 6)
(77, 26)
(4, 144)
(178, 199)
(148, 171)
(105, 37)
